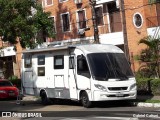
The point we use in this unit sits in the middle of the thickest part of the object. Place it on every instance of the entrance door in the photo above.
(28, 82)
(72, 78)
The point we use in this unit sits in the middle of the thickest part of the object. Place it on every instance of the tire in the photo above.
(44, 99)
(85, 100)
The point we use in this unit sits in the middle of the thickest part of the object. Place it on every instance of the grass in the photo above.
(152, 101)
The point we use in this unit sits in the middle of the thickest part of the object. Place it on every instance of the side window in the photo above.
(41, 60)
(82, 66)
(27, 61)
(41, 63)
(59, 62)
(71, 63)
(41, 71)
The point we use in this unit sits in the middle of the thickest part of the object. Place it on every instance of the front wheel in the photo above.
(85, 100)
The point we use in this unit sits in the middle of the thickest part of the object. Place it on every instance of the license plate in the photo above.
(11, 94)
(119, 95)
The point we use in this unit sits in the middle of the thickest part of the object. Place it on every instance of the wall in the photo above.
(134, 34)
(69, 6)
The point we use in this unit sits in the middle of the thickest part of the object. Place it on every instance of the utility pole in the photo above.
(123, 18)
(94, 19)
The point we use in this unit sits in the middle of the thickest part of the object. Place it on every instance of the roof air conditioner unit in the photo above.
(77, 1)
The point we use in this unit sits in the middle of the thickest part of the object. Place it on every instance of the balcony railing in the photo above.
(110, 28)
(153, 21)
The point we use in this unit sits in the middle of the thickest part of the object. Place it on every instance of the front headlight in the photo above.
(133, 86)
(2, 91)
(100, 87)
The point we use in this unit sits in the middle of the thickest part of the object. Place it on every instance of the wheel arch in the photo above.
(41, 91)
(80, 93)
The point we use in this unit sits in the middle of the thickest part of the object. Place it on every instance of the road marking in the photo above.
(117, 118)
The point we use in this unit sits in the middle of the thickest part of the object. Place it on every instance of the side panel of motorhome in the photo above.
(60, 74)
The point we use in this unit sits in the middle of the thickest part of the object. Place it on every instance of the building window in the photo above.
(81, 19)
(41, 71)
(59, 62)
(47, 2)
(41, 60)
(27, 61)
(65, 22)
(114, 17)
(62, 1)
(99, 15)
(53, 19)
(137, 20)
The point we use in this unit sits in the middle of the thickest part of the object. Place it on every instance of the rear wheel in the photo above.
(85, 100)
(44, 98)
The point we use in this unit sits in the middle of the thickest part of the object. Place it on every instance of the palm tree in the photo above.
(151, 55)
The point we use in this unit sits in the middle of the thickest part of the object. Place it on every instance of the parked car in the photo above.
(8, 90)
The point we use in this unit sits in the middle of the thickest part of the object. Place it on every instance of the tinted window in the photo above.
(41, 71)
(71, 62)
(27, 61)
(105, 66)
(5, 83)
(59, 62)
(82, 66)
(41, 60)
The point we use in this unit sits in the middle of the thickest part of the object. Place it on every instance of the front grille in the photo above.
(124, 95)
(117, 88)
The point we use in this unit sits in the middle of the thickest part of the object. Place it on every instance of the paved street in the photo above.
(66, 110)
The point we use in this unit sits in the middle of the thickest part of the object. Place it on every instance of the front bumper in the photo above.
(105, 96)
(7, 95)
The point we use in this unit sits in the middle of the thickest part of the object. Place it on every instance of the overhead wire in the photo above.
(87, 6)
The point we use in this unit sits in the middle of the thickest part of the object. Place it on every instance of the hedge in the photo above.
(16, 82)
(148, 86)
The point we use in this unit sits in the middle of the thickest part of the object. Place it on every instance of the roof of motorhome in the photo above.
(87, 48)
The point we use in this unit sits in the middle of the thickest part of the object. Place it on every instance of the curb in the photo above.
(138, 104)
(155, 105)
(30, 98)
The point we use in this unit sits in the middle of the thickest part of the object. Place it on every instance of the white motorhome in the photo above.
(93, 72)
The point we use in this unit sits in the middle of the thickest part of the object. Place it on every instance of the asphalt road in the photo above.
(69, 110)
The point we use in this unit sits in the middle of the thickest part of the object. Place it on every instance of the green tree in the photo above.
(26, 20)
(150, 55)
(153, 1)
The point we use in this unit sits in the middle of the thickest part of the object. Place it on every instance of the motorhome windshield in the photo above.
(106, 66)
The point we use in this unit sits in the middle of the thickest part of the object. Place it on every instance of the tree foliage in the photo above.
(18, 20)
(153, 1)
(151, 55)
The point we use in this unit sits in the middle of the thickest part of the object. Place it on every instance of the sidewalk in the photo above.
(140, 102)
(142, 98)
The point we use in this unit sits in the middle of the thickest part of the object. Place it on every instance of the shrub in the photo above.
(143, 86)
(147, 86)
(155, 86)
(15, 81)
